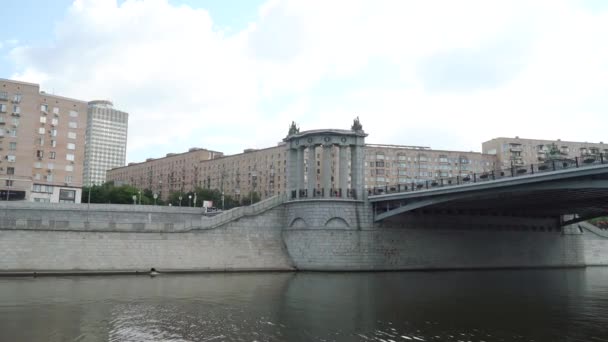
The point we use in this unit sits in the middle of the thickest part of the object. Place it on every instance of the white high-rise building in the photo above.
(106, 141)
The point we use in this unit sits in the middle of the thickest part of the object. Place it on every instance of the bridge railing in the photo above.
(550, 165)
(320, 193)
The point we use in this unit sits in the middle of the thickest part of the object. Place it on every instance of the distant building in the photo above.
(521, 152)
(41, 144)
(106, 141)
(176, 172)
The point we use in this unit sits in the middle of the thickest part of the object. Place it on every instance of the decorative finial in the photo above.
(356, 125)
(293, 129)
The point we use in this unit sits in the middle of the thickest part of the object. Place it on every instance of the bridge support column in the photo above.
(312, 170)
(327, 149)
(343, 167)
(299, 171)
(356, 169)
(292, 171)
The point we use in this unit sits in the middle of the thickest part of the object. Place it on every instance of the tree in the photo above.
(251, 198)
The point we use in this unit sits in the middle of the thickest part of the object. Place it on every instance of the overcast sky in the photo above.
(229, 75)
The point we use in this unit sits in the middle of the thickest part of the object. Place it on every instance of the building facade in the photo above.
(176, 172)
(395, 164)
(106, 141)
(42, 139)
(517, 152)
(264, 171)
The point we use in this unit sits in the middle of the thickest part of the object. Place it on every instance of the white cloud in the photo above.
(461, 72)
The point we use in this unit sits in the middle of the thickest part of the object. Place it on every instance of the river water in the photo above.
(518, 305)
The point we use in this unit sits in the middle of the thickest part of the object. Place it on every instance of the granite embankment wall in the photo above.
(595, 244)
(272, 235)
(117, 238)
(331, 239)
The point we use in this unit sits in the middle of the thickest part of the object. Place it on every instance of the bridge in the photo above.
(570, 189)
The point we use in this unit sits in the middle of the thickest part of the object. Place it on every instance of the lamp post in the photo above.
(155, 197)
(189, 200)
(222, 201)
(8, 188)
(180, 200)
(134, 199)
(139, 197)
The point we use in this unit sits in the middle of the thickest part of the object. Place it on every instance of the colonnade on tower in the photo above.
(348, 166)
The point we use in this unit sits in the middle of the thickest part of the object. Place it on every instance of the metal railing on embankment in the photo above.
(513, 171)
(239, 212)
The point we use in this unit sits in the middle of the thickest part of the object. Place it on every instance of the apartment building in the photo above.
(395, 164)
(264, 170)
(41, 144)
(176, 172)
(519, 152)
(106, 141)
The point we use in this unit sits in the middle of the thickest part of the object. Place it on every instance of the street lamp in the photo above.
(254, 176)
(180, 200)
(134, 199)
(155, 197)
(139, 197)
(189, 200)
(222, 200)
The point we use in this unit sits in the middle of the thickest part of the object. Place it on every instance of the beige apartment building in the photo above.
(41, 144)
(264, 170)
(176, 172)
(522, 152)
(395, 164)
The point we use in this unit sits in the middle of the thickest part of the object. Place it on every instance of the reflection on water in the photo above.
(527, 305)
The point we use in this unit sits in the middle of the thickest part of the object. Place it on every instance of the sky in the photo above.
(230, 75)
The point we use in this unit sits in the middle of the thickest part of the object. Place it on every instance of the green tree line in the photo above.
(124, 194)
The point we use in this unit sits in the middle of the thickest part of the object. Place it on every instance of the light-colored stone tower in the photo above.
(302, 180)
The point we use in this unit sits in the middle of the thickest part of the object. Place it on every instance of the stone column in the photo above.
(291, 172)
(343, 167)
(357, 170)
(299, 171)
(327, 149)
(312, 167)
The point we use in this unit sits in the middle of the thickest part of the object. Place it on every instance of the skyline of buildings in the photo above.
(43, 139)
(51, 146)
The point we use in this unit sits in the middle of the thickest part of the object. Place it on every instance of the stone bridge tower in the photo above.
(317, 178)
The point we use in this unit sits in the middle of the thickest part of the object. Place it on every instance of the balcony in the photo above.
(515, 149)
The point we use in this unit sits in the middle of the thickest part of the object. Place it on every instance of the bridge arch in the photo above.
(337, 222)
(298, 222)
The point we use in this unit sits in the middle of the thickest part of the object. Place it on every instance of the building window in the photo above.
(69, 168)
(9, 182)
(73, 113)
(38, 165)
(71, 146)
(53, 132)
(16, 109)
(67, 196)
(13, 132)
(68, 179)
(69, 157)
(379, 156)
(72, 135)
(39, 154)
(52, 155)
(43, 119)
(54, 121)
(55, 110)
(50, 166)
(49, 177)
(2, 108)
(53, 143)
(12, 146)
(17, 98)
(11, 158)
(10, 170)
(44, 108)
(73, 124)
(37, 176)
(41, 130)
